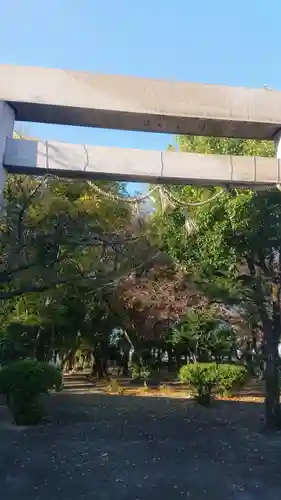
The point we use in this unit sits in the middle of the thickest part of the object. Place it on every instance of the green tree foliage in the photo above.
(62, 244)
(54, 232)
(236, 255)
(205, 336)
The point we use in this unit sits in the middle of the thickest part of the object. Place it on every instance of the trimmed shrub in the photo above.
(207, 379)
(231, 377)
(202, 378)
(24, 383)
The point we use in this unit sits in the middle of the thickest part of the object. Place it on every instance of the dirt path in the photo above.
(136, 448)
(79, 382)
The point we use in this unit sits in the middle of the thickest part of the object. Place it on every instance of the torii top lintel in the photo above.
(130, 103)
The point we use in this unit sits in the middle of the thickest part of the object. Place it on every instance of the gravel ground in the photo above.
(128, 448)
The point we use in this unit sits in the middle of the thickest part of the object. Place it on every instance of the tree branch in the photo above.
(24, 208)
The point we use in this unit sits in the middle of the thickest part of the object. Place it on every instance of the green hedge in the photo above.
(207, 379)
(23, 383)
(231, 377)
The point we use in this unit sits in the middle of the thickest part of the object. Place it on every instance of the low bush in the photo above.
(207, 379)
(140, 372)
(114, 387)
(231, 377)
(24, 383)
(202, 378)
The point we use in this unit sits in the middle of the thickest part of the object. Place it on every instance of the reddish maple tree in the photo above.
(154, 300)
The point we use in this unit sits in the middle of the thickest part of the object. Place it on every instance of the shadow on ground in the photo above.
(129, 448)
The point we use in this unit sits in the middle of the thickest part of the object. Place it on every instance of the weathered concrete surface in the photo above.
(124, 448)
(7, 117)
(130, 103)
(96, 162)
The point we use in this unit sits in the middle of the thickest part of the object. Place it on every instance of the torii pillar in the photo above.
(7, 120)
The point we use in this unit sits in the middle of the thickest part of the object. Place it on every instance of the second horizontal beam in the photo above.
(96, 162)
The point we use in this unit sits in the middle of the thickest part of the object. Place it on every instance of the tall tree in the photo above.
(53, 232)
(62, 243)
(236, 254)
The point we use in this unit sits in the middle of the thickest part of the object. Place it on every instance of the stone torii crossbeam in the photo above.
(128, 103)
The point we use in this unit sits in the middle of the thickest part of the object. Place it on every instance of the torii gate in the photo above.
(65, 97)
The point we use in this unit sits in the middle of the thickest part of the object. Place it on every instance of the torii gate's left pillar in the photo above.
(7, 120)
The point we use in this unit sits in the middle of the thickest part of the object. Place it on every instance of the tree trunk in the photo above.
(125, 362)
(68, 361)
(42, 345)
(271, 334)
(272, 390)
(178, 360)
(99, 368)
(271, 340)
(159, 359)
(170, 360)
(71, 361)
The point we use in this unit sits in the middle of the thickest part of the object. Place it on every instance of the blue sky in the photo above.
(228, 42)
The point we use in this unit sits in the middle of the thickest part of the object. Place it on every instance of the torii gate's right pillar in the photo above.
(7, 119)
(277, 144)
